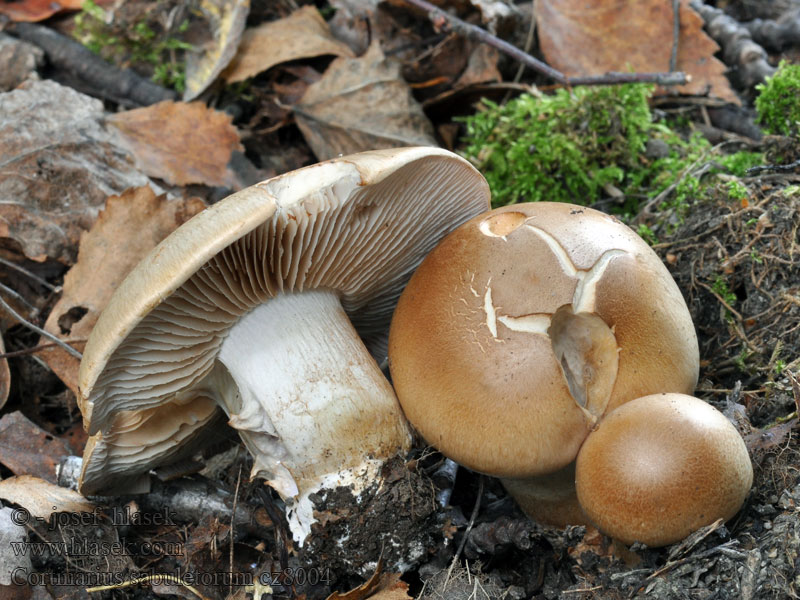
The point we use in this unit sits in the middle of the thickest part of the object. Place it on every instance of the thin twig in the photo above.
(233, 526)
(19, 298)
(471, 523)
(722, 301)
(528, 41)
(442, 19)
(33, 276)
(676, 34)
(39, 330)
(35, 349)
(780, 168)
(148, 579)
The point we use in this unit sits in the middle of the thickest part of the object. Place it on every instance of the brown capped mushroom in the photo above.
(660, 467)
(260, 304)
(526, 325)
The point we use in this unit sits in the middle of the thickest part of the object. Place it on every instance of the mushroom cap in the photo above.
(660, 467)
(356, 225)
(525, 325)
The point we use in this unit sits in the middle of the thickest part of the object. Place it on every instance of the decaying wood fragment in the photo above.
(738, 47)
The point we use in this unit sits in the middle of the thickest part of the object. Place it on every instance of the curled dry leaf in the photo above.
(58, 167)
(226, 19)
(381, 586)
(36, 10)
(179, 142)
(42, 498)
(361, 104)
(303, 34)
(130, 226)
(580, 38)
(26, 449)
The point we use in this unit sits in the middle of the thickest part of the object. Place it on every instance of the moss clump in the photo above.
(139, 44)
(569, 147)
(778, 103)
(562, 147)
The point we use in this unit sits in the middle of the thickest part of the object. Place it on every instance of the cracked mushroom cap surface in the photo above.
(355, 227)
(660, 467)
(527, 324)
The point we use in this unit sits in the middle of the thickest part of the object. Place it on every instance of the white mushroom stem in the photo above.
(309, 400)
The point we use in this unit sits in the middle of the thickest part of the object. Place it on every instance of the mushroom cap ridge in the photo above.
(189, 249)
(470, 348)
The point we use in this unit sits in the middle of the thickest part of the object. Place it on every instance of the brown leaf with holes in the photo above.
(303, 34)
(580, 38)
(361, 104)
(130, 226)
(181, 143)
(26, 449)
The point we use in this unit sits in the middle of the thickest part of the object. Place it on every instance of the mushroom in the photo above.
(259, 305)
(660, 467)
(523, 327)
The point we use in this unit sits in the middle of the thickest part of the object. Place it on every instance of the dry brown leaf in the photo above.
(361, 104)
(5, 376)
(181, 143)
(26, 449)
(303, 34)
(481, 67)
(59, 165)
(581, 38)
(381, 586)
(226, 19)
(130, 226)
(36, 10)
(42, 498)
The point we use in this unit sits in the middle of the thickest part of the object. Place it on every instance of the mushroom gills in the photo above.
(586, 349)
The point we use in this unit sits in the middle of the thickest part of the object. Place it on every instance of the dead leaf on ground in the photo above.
(481, 67)
(59, 165)
(381, 586)
(303, 34)
(125, 231)
(42, 498)
(591, 39)
(361, 104)
(5, 375)
(26, 449)
(226, 19)
(32, 11)
(181, 143)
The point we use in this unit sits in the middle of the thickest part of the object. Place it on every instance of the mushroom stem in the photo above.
(312, 401)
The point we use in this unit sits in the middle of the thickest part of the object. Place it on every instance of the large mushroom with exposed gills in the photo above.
(262, 305)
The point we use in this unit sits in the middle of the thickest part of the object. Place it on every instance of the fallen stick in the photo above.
(738, 47)
(106, 80)
(189, 500)
(440, 18)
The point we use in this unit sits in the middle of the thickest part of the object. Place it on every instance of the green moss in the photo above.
(563, 147)
(778, 104)
(139, 44)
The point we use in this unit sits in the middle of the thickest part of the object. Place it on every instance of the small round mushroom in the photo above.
(660, 467)
(260, 304)
(526, 325)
